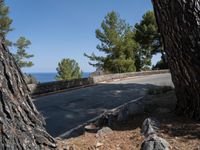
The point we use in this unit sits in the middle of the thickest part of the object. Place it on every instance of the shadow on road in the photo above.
(64, 111)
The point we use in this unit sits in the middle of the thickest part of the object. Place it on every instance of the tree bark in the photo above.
(21, 126)
(179, 24)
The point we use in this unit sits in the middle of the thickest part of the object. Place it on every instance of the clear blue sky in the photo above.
(66, 28)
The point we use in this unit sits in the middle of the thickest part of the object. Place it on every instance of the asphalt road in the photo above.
(64, 111)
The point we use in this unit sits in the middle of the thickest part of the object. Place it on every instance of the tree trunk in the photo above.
(21, 126)
(179, 24)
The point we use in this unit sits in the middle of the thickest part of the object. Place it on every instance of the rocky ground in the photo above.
(181, 133)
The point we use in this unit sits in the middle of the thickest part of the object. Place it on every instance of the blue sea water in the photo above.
(48, 77)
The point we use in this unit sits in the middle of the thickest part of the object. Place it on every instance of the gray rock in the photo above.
(91, 128)
(104, 131)
(153, 142)
(149, 126)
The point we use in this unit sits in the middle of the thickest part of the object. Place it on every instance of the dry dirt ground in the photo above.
(180, 132)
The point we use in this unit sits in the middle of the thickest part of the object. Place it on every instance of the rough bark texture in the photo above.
(21, 126)
(179, 24)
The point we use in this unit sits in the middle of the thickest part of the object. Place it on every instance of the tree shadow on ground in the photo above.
(66, 110)
(172, 125)
(180, 132)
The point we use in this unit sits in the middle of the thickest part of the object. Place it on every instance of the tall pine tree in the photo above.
(149, 39)
(179, 24)
(5, 22)
(21, 125)
(117, 43)
(21, 44)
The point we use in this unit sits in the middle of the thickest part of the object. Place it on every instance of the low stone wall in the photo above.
(111, 77)
(50, 87)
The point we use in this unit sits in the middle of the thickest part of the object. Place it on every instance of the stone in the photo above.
(99, 144)
(91, 128)
(104, 131)
(153, 142)
(149, 126)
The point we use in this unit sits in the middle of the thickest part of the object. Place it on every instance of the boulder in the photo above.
(149, 126)
(153, 142)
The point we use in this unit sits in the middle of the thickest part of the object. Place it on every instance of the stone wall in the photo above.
(51, 87)
(111, 77)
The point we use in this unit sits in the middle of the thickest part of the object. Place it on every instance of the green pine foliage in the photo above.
(68, 69)
(149, 39)
(21, 44)
(5, 22)
(126, 48)
(117, 44)
(21, 55)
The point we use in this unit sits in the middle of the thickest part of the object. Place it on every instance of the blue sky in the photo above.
(66, 28)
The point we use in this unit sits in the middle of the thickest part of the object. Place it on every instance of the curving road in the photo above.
(64, 111)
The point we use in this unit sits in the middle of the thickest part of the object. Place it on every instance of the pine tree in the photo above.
(117, 44)
(149, 39)
(21, 55)
(22, 127)
(68, 69)
(21, 44)
(179, 24)
(5, 23)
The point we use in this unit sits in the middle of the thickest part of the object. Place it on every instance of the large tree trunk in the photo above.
(21, 126)
(179, 24)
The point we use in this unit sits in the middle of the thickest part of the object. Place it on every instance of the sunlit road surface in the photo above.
(64, 111)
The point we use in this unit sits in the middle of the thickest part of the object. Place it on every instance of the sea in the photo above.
(48, 77)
